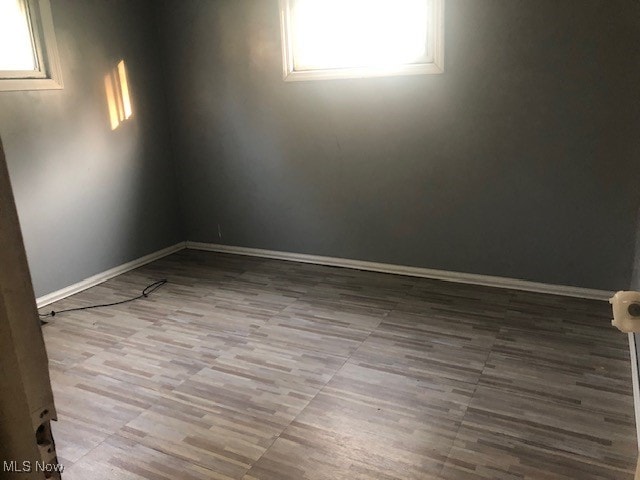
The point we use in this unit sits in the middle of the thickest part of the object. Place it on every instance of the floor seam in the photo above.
(475, 388)
(318, 392)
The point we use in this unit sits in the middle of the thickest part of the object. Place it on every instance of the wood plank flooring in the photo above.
(255, 369)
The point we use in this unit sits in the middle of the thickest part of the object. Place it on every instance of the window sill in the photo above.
(344, 73)
(25, 84)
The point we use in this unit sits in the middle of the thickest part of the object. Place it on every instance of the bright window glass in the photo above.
(331, 34)
(332, 39)
(17, 51)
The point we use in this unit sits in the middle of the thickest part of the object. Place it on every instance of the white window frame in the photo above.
(49, 75)
(435, 44)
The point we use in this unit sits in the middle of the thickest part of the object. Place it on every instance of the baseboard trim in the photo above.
(636, 383)
(456, 277)
(106, 275)
(468, 278)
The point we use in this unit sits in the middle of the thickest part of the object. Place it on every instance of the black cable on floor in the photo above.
(145, 293)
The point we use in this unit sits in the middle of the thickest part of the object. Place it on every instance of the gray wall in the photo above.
(521, 161)
(90, 198)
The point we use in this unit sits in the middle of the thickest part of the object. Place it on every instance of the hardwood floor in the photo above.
(245, 368)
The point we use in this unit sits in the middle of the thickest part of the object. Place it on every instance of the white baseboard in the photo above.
(636, 383)
(469, 278)
(106, 275)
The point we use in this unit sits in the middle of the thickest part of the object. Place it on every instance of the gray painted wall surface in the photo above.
(89, 198)
(521, 161)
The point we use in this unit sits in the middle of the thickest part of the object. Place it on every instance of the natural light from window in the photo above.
(324, 39)
(116, 86)
(359, 33)
(16, 41)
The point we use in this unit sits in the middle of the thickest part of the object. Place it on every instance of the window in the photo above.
(28, 53)
(323, 39)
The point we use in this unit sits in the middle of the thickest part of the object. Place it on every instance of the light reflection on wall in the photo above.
(118, 97)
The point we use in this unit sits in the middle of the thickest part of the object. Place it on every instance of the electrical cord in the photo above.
(145, 293)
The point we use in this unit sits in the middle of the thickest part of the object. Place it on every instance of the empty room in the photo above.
(319, 239)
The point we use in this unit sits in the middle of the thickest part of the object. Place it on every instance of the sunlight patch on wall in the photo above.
(118, 96)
